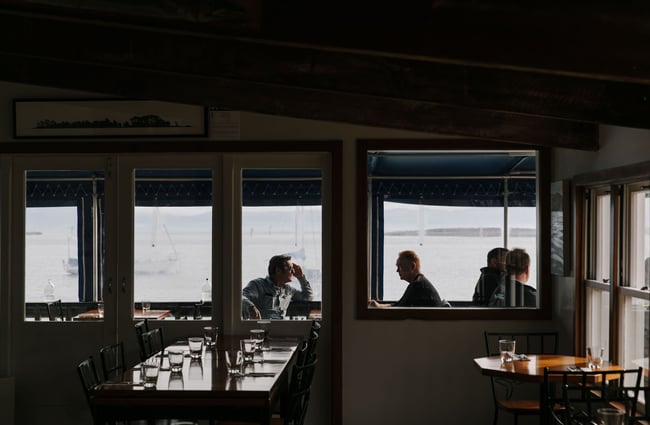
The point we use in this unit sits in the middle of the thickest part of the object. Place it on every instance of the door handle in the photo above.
(124, 285)
(109, 285)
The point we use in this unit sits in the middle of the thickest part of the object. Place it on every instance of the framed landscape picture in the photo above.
(561, 228)
(107, 118)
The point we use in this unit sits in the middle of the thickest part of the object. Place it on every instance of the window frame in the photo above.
(364, 235)
(618, 181)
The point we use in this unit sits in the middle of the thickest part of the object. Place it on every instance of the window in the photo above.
(173, 240)
(616, 249)
(451, 206)
(65, 234)
(63, 249)
(282, 215)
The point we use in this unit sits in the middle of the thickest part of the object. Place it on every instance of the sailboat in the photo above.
(157, 258)
(153, 258)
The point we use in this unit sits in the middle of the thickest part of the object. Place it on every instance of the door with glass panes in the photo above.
(93, 238)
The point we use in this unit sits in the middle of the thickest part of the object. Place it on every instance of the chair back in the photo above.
(299, 392)
(152, 342)
(88, 376)
(55, 310)
(312, 342)
(113, 364)
(316, 326)
(527, 342)
(581, 393)
(140, 328)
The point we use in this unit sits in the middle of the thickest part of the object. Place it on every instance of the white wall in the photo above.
(415, 372)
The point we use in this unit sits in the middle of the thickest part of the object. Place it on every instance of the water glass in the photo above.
(149, 370)
(507, 350)
(146, 307)
(210, 334)
(234, 361)
(611, 416)
(265, 325)
(247, 347)
(100, 310)
(196, 346)
(257, 335)
(595, 357)
(175, 360)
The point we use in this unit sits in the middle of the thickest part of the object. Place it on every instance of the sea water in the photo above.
(451, 263)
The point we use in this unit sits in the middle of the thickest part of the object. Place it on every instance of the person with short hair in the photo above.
(515, 292)
(269, 297)
(493, 275)
(419, 292)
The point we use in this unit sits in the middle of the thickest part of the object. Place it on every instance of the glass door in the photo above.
(58, 229)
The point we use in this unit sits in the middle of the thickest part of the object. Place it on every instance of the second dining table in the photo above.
(530, 368)
(203, 389)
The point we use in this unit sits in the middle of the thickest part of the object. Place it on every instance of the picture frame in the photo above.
(89, 118)
(561, 228)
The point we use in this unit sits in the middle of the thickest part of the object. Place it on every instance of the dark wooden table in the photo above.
(203, 390)
(532, 370)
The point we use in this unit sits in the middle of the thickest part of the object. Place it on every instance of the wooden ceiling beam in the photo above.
(407, 83)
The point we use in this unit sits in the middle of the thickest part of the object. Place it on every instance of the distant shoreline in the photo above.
(466, 231)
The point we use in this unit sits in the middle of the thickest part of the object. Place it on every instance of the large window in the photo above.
(282, 215)
(451, 206)
(65, 241)
(615, 279)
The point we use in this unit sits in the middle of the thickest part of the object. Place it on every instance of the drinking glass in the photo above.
(234, 361)
(100, 310)
(196, 346)
(257, 335)
(149, 370)
(146, 307)
(210, 334)
(507, 350)
(247, 347)
(175, 360)
(595, 357)
(265, 325)
(610, 416)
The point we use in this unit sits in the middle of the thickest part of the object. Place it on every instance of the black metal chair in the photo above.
(153, 342)
(113, 364)
(581, 393)
(140, 328)
(55, 310)
(503, 390)
(299, 392)
(89, 377)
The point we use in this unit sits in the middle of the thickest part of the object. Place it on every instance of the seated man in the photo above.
(420, 292)
(491, 276)
(269, 297)
(514, 292)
